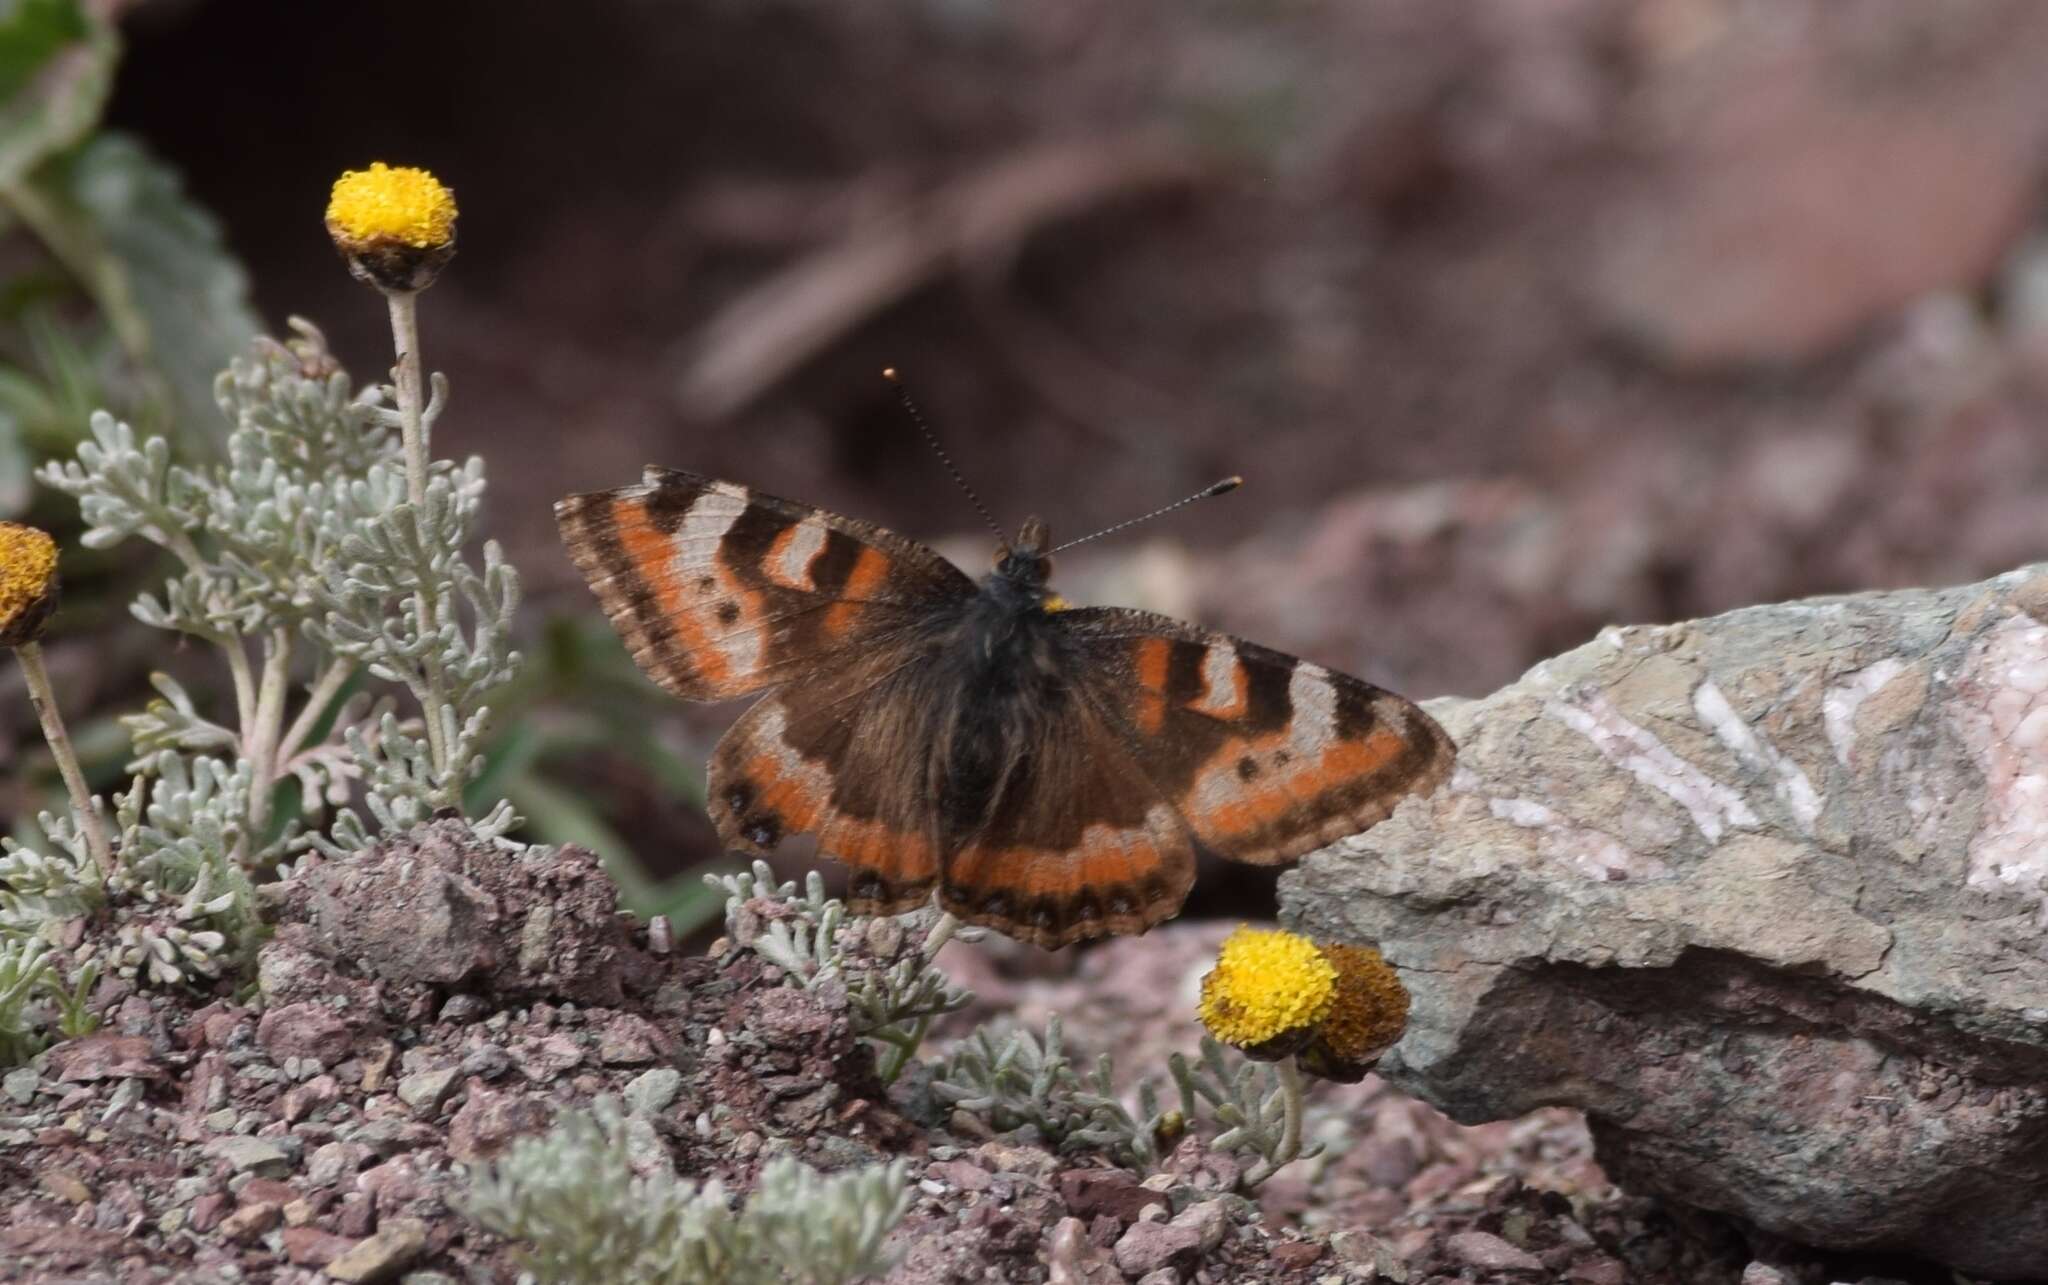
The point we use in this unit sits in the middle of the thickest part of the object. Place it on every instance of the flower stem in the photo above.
(405, 338)
(1289, 1148)
(44, 697)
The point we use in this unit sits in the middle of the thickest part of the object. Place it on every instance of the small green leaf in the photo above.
(56, 65)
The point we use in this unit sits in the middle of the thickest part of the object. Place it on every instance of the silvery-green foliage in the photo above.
(1014, 1079)
(1247, 1100)
(177, 907)
(893, 990)
(300, 552)
(299, 558)
(24, 978)
(573, 1196)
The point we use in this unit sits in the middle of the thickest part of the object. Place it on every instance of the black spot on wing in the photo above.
(1266, 677)
(747, 541)
(669, 503)
(1355, 718)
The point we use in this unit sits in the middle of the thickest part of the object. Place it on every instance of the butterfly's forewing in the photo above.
(719, 590)
(1264, 755)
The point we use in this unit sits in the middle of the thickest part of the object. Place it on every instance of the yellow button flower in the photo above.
(394, 224)
(1268, 993)
(28, 583)
(1367, 1016)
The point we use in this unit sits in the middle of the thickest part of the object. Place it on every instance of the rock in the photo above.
(334, 1161)
(311, 1247)
(393, 1184)
(1759, 894)
(629, 1041)
(65, 1185)
(1361, 1248)
(424, 1091)
(207, 1210)
(383, 1255)
(1071, 1258)
(260, 1156)
(267, 1190)
(1762, 1274)
(964, 1175)
(251, 1221)
(357, 1216)
(1116, 1192)
(1294, 1255)
(1601, 1270)
(104, 1056)
(1485, 1250)
(436, 905)
(544, 1059)
(465, 1008)
(1149, 1246)
(650, 1092)
(20, 1084)
(489, 1121)
(303, 1100)
(306, 1029)
(1208, 1220)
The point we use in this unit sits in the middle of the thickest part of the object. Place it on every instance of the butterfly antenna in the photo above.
(932, 440)
(1225, 487)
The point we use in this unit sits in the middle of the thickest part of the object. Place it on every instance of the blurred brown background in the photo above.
(1521, 316)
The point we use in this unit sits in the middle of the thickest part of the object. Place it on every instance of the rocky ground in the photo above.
(423, 1006)
(325, 1131)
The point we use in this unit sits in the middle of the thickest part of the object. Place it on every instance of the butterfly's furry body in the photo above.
(1053, 773)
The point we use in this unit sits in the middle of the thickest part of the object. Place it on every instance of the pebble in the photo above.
(255, 1155)
(486, 1061)
(1208, 1220)
(383, 1255)
(1149, 1246)
(1597, 1271)
(424, 1091)
(334, 1160)
(20, 1084)
(300, 1102)
(650, 1092)
(464, 1008)
(311, 1247)
(250, 1221)
(1484, 1249)
(1361, 1248)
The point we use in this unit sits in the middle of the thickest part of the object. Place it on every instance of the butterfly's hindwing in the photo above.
(1266, 756)
(840, 756)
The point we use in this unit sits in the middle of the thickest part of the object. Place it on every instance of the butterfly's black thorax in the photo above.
(1003, 666)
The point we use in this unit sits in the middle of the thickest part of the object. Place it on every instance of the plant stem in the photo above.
(317, 699)
(1289, 1148)
(44, 697)
(900, 1049)
(260, 737)
(405, 338)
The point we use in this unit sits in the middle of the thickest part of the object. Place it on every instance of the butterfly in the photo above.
(1052, 772)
